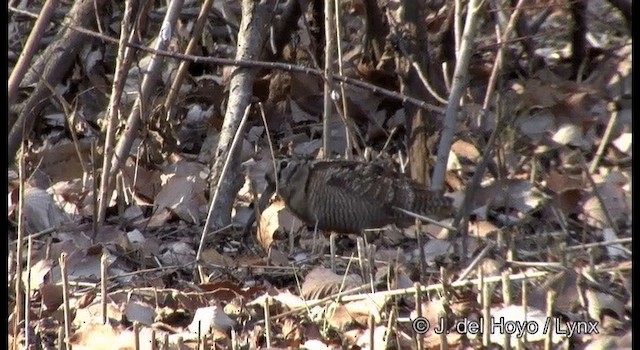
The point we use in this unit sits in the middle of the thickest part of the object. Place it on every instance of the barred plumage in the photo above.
(350, 196)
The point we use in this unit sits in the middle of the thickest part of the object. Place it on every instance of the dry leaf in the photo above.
(482, 228)
(95, 336)
(568, 201)
(511, 193)
(299, 115)
(339, 317)
(623, 143)
(398, 278)
(435, 248)
(614, 250)
(308, 148)
(371, 306)
(605, 342)
(465, 149)
(570, 134)
(379, 335)
(212, 256)
(286, 298)
(600, 303)
(210, 317)
(145, 183)
(178, 253)
(139, 311)
(315, 344)
(41, 212)
(558, 182)
(274, 219)
(52, 296)
(614, 200)
(37, 274)
(277, 257)
(321, 282)
(184, 196)
(537, 125)
(60, 161)
(93, 314)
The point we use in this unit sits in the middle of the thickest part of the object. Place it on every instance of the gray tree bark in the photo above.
(254, 28)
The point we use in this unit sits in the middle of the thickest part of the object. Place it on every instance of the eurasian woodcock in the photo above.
(350, 196)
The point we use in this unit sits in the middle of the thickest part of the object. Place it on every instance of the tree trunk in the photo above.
(254, 27)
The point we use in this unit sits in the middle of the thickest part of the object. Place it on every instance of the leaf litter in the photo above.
(537, 212)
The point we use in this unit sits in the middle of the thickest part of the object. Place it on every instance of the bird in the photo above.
(347, 196)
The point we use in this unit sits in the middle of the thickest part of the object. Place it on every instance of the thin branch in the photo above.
(460, 78)
(255, 64)
(345, 106)
(113, 111)
(134, 121)
(329, 52)
(488, 150)
(606, 138)
(225, 167)
(184, 65)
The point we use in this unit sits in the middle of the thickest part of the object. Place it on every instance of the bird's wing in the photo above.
(369, 182)
(382, 187)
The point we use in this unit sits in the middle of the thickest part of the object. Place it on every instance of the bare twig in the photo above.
(426, 83)
(184, 65)
(345, 106)
(485, 294)
(329, 53)
(19, 307)
(372, 333)
(598, 244)
(267, 323)
(70, 115)
(426, 218)
(418, 296)
(65, 298)
(250, 63)
(457, 26)
(94, 189)
(27, 292)
(551, 304)
(208, 222)
(476, 261)
(488, 150)
(134, 121)
(103, 286)
(122, 63)
(37, 234)
(460, 78)
(606, 138)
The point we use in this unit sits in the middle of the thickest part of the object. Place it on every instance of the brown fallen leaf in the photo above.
(321, 282)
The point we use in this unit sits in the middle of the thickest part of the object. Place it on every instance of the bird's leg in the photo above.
(420, 248)
(260, 206)
(332, 251)
(315, 238)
